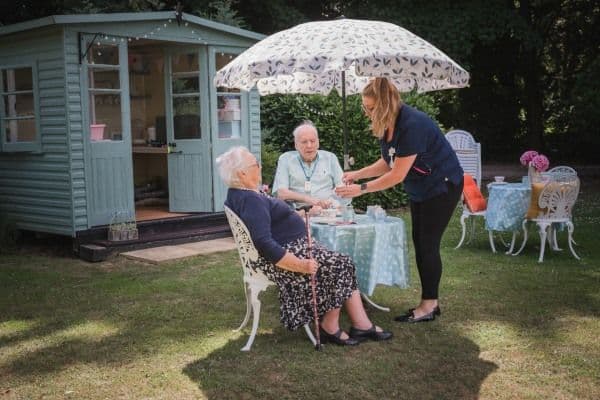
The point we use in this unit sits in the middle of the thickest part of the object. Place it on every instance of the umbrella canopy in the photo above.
(310, 57)
(343, 54)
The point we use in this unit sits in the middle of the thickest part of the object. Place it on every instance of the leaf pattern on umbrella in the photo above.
(310, 57)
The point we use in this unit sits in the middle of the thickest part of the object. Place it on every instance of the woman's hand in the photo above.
(348, 191)
(309, 266)
(350, 176)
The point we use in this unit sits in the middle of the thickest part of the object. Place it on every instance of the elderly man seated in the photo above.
(307, 175)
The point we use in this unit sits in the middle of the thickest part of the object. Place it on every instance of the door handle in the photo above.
(171, 146)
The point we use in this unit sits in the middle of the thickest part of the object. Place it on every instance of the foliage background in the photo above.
(280, 114)
(534, 65)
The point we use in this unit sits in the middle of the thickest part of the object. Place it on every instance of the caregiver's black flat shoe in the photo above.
(370, 334)
(337, 338)
(410, 316)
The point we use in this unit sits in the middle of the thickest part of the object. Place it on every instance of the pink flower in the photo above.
(540, 162)
(527, 157)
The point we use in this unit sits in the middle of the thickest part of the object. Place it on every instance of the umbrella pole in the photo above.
(344, 124)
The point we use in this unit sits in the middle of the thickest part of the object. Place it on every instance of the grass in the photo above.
(511, 329)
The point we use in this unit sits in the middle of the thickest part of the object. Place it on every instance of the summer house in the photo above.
(111, 117)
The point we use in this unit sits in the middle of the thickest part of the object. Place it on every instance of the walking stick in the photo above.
(313, 280)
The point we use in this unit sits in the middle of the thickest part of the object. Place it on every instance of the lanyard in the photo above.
(311, 170)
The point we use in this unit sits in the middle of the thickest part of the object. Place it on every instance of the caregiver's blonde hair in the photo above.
(387, 101)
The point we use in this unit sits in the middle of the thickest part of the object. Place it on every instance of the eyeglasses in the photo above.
(367, 111)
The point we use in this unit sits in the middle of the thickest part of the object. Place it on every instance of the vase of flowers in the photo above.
(536, 164)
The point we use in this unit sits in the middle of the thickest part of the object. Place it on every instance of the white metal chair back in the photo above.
(255, 281)
(557, 199)
(562, 173)
(468, 152)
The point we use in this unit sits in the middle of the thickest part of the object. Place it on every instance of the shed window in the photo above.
(18, 111)
(104, 88)
(185, 88)
(229, 101)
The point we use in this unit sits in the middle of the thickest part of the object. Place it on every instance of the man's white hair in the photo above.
(302, 125)
(230, 163)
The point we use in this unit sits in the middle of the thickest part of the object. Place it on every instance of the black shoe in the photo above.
(337, 338)
(371, 333)
(410, 317)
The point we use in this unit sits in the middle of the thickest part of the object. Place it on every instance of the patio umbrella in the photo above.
(342, 54)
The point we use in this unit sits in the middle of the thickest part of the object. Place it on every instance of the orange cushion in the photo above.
(534, 209)
(472, 195)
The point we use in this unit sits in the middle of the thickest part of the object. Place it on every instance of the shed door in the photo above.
(109, 165)
(190, 174)
(229, 116)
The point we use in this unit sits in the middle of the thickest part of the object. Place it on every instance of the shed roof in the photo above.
(124, 17)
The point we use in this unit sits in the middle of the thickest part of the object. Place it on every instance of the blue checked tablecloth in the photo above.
(379, 249)
(507, 206)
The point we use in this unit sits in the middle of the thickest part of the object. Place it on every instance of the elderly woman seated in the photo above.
(279, 234)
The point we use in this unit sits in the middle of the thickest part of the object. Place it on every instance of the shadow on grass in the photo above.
(424, 362)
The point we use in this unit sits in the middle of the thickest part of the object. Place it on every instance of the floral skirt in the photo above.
(336, 280)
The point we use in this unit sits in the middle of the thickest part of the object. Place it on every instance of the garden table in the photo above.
(378, 248)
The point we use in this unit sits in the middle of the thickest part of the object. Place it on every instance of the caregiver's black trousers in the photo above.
(429, 220)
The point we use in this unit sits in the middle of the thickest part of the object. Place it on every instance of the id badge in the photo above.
(307, 186)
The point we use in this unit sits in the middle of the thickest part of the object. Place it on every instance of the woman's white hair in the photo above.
(229, 163)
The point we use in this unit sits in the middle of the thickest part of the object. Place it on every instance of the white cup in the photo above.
(151, 133)
(499, 179)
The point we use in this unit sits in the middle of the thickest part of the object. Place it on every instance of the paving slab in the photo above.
(157, 255)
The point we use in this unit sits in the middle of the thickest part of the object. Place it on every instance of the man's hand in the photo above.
(315, 210)
(321, 203)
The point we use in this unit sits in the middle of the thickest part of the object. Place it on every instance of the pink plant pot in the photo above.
(97, 132)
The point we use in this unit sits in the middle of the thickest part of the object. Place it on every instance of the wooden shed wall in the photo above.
(35, 188)
(75, 130)
(254, 110)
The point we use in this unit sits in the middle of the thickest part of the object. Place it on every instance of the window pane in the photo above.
(105, 117)
(221, 60)
(186, 117)
(229, 115)
(186, 85)
(104, 79)
(17, 79)
(229, 108)
(22, 130)
(184, 63)
(104, 53)
(19, 105)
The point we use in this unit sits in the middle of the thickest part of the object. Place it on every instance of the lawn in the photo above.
(511, 329)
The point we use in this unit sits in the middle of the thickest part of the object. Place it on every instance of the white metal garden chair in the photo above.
(558, 199)
(468, 152)
(562, 173)
(255, 281)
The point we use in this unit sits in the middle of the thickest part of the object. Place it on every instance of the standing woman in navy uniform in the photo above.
(415, 152)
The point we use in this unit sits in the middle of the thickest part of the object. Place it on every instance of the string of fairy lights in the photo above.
(302, 102)
(101, 37)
